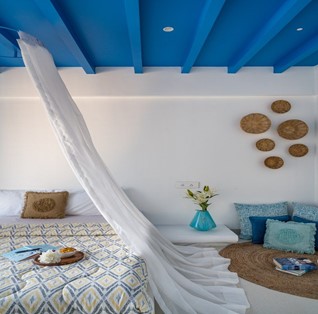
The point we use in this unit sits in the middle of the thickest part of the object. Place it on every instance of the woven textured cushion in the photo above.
(305, 211)
(290, 236)
(247, 210)
(44, 205)
(304, 220)
(259, 226)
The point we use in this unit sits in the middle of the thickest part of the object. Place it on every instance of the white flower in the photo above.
(50, 257)
(201, 198)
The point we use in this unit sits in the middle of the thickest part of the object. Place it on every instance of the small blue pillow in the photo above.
(300, 219)
(259, 226)
(305, 211)
(290, 236)
(247, 210)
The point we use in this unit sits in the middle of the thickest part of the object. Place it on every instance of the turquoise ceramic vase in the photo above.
(202, 221)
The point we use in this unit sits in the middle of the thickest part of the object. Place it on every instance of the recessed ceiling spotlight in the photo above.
(168, 29)
(299, 29)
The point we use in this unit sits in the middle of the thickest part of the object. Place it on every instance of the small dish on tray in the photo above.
(67, 252)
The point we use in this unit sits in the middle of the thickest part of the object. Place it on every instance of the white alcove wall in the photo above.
(161, 127)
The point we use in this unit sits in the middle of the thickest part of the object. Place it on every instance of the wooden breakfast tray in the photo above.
(64, 261)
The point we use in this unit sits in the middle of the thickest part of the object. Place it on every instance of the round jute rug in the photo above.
(254, 263)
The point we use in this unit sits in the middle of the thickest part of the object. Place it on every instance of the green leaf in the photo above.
(190, 193)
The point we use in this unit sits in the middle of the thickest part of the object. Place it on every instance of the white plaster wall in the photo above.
(161, 127)
(168, 82)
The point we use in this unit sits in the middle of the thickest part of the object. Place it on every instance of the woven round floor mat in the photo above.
(254, 263)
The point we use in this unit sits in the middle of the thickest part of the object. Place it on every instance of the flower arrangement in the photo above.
(202, 197)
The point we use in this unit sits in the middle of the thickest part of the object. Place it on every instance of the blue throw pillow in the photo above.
(304, 220)
(305, 211)
(247, 210)
(290, 236)
(259, 226)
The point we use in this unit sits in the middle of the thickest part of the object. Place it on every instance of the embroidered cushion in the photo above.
(305, 211)
(299, 219)
(259, 226)
(290, 236)
(44, 204)
(247, 210)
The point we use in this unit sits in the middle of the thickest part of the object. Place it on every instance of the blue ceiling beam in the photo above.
(7, 41)
(297, 55)
(133, 24)
(7, 38)
(287, 11)
(54, 15)
(208, 17)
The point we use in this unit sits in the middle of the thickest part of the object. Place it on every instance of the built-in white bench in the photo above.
(183, 234)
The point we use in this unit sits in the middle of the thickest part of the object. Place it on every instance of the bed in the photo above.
(109, 279)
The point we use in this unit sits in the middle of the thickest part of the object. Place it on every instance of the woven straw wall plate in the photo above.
(292, 129)
(265, 144)
(255, 123)
(281, 106)
(274, 162)
(298, 150)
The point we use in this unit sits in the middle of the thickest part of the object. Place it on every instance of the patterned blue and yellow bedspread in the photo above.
(108, 279)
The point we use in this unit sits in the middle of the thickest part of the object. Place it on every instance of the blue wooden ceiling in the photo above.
(129, 33)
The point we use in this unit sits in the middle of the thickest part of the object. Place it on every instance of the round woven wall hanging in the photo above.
(281, 106)
(274, 162)
(255, 123)
(292, 129)
(265, 144)
(298, 150)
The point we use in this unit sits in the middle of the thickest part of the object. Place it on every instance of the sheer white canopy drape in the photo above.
(183, 279)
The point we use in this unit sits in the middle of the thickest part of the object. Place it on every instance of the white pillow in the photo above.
(11, 202)
(79, 203)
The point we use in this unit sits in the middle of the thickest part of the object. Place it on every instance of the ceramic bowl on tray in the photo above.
(67, 251)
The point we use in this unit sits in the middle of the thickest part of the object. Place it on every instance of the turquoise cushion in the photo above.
(290, 236)
(247, 210)
(259, 226)
(305, 211)
(300, 219)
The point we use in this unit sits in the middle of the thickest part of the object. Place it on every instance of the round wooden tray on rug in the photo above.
(64, 261)
(281, 106)
(254, 263)
(255, 123)
(298, 150)
(265, 144)
(274, 162)
(292, 129)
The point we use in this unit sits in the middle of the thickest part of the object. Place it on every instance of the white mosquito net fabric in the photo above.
(182, 279)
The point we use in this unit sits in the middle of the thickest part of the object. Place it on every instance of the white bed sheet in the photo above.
(66, 219)
(109, 279)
